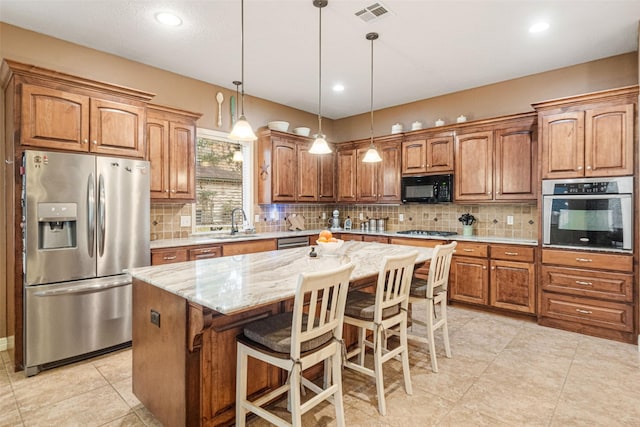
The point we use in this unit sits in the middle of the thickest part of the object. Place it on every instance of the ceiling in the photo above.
(426, 48)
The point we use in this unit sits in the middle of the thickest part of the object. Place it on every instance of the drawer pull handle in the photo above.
(580, 282)
(468, 250)
(206, 251)
(584, 260)
(579, 310)
(169, 258)
(511, 253)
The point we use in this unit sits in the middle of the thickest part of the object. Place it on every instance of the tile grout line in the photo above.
(555, 408)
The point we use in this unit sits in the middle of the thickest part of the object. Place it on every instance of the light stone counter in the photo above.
(233, 284)
(212, 239)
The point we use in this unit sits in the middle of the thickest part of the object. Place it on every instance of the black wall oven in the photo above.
(595, 213)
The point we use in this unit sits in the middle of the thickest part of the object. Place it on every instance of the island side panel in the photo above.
(219, 366)
(160, 353)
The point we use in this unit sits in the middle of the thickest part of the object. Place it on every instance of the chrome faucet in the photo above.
(234, 228)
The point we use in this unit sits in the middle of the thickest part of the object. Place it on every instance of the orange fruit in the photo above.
(322, 239)
(325, 234)
(333, 239)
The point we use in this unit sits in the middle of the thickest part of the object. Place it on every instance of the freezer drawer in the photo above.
(74, 318)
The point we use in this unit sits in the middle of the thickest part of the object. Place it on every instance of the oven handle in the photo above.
(587, 196)
(82, 289)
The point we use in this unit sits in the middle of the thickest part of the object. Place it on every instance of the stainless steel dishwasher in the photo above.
(293, 242)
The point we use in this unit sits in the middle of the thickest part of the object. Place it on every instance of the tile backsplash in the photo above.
(491, 220)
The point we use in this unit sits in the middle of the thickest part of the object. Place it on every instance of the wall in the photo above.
(499, 99)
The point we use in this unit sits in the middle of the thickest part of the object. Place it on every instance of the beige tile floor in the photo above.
(504, 372)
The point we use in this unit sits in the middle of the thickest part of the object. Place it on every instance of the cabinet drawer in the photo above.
(595, 284)
(379, 239)
(168, 256)
(425, 243)
(588, 260)
(472, 249)
(512, 253)
(204, 253)
(587, 311)
(239, 248)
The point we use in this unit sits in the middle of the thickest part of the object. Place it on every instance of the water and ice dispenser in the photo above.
(57, 225)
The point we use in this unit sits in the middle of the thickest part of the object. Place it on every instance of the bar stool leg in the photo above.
(241, 387)
(405, 356)
(377, 362)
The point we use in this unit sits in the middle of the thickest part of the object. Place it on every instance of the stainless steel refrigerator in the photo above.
(86, 219)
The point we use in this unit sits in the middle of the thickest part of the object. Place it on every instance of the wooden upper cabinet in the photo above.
(171, 145)
(433, 153)
(389, 172)
(440, 154)
(608, 147)
(515, 153)
(588, 135)
(498, 162)
(347, 160)
(474, 166)
(414, 157)
(327, 177)
(53, 118)
(366, 177)
(116, 128)
(307, 165)
(57, 119)
(287, 172)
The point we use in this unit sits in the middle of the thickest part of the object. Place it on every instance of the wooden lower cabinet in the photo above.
(587, 292)
(193, 253)
(249, 247)
(168, 256)
(469, 280)
(205, 253)
(499, 276)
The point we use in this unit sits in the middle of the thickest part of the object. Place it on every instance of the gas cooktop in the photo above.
(428, 232)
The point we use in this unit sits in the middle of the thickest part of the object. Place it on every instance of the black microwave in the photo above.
(427, 189)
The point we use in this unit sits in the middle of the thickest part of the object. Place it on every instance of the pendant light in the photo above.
(242, 129)
(372, 156)
(237, 155)
(320, 145)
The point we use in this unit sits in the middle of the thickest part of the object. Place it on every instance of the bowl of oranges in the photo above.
(327, 242)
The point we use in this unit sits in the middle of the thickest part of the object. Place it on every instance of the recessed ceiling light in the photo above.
(168, 19)
(539, 27)
(338, 87)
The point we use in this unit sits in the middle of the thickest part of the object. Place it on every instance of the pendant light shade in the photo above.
(242, 130)
(372, 155)
(237, 156)
(320, 145)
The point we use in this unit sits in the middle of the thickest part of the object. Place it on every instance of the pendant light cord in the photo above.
(242, 53)
(372, 39)
(320, 73)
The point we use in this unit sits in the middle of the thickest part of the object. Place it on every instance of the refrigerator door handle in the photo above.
(91, 221)
(101, 215)
(83, 289)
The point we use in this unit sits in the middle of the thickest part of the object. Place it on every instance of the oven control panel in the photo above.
(586, 187)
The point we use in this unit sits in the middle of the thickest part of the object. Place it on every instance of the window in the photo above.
(222, 183)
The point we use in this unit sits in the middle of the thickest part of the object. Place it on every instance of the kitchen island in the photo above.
(186, 317)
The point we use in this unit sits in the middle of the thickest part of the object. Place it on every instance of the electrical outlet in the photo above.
(324, 215)
(360, 216)
(256, 219)
(185, 220)
(400, 217)
(509, 219)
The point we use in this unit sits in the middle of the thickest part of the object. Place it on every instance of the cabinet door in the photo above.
(366, 178)
(414, 156)
(513, 285)
(182, 161)
(347, 161)
(469, 280)
(307, 174)
(389, 173)
(158, 156)
(116, 128)
(515, 174)
(609, 141)
(284, 169)
(563, 145)
(474, 166)
(440, 154)
(327, 177)
(54, 119)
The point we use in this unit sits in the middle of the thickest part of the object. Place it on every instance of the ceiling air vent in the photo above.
(373, 12)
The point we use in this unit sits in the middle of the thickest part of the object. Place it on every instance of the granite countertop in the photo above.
(212, 239)
(233, 284)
